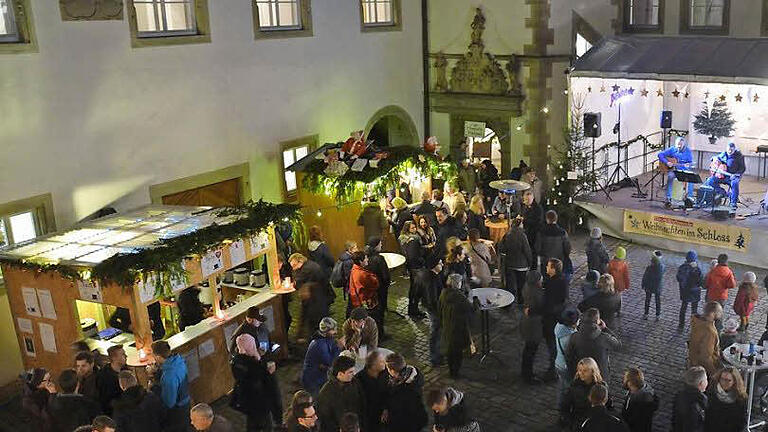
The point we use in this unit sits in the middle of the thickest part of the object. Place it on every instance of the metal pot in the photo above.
(229, 276)
(241, 276)
(258, 278)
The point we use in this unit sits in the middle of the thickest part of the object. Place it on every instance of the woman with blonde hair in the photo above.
(607, 301)
(727, 408)
(576, 405)
(400, 215)
(476, 215)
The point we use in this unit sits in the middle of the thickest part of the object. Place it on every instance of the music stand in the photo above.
(687, 177)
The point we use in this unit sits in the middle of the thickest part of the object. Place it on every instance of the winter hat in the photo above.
(731, 324)
(373, 242)
(246, 344)
(399, 203)
(621, 253)
(749, 277)
(593, 276)
(327, 324)
(691, 256)
(596, 233)
(570, 316)
(656, 256)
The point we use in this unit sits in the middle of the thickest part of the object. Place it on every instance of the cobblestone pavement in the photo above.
(495, 392)
(498, 397)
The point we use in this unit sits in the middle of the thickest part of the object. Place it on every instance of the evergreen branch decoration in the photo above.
(377, 180)
(164, 258)
(716, 122)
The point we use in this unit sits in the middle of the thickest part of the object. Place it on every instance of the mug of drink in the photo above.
(363, 351)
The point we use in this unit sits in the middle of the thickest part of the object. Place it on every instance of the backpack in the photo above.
(337, 275)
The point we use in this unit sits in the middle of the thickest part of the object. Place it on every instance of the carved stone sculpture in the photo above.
(478, 72)
(441, 81)
(91, 10)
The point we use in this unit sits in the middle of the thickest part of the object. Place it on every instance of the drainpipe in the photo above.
(425, 63)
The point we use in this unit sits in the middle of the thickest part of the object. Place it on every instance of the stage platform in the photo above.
(744, 238)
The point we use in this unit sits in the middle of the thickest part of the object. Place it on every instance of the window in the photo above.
(16, 29)
(378, 15)
(25, 219)
(582, 45)
(643, 15)
(156, 18)
(293, 151)
(282, 18)
(705, 16)
(168, 22)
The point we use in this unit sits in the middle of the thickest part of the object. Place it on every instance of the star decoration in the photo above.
(602, 89)
(706, 94)
(722, 98)
(686, 95)
(589, 89)
(756, 98)
(676, 93)
(659, 93)
(644, 92)
(615, 88)
(738, 97)
(631, 91)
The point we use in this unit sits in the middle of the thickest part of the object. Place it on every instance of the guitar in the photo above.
(664, 168)
(719, 169)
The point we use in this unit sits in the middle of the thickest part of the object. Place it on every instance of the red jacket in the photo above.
(743, 305)
(620, 272)
(719, 280)
(363, 287)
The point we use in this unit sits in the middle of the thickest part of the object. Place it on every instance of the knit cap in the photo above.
(731, 324)
(750, 277)
(596, 233)
(691, 256)
(621, 253)
(327, 324)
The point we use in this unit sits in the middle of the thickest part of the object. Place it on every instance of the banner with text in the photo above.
(687, 230)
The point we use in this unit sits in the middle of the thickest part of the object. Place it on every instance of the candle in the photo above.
(143, 356)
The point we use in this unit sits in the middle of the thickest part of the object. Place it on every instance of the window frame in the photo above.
(394, 25)
(25, 40)
(41, 207)
(687, 28)
(202, 33)
(641, 28)
(167, 33)
(305, 28)
(13, 36)
(311, 142)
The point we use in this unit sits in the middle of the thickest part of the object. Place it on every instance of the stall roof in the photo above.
(92, 242)
(302, 163)
(684, 58)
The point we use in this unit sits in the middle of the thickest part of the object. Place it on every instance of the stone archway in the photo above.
(392, 126)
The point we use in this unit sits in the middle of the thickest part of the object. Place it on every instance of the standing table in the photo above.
(497, 230)
(749, 372)
(490, 299)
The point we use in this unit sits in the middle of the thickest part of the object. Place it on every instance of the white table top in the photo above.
(733, 359)
(393, 259)
(492, 298)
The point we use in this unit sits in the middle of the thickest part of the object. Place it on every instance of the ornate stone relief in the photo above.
(91, 10)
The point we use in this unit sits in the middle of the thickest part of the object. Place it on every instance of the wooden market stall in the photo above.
(62, 287)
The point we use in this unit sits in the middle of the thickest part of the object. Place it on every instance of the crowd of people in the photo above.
(349, 383)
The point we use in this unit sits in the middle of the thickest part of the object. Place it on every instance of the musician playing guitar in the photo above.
(727, 168)
(678, 156)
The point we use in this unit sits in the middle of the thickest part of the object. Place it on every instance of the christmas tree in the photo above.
(716, 123)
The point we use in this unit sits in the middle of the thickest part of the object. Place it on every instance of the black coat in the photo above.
(533, 219)
(137, 410)
(689, 280)
(414, 253)
(477, 221)
(401, 217)
(426, 209)
(576, 403)
(688, 410)
(553, 242)
(597, 255)
(591, 341)
(191, 309)
(458, 415)
(607, 304)
(430, 285)
(639, 408)
(555, 297)
(600, 420)
(68, 411)
(109, 387)
(449, 228)
(378, 266)
(724, 417)
(321, 254)
(336, 399)
(250, 394)
(516, 249)
(375, 390)
(404, 403)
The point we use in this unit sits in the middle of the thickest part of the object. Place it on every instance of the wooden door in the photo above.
(222, 194)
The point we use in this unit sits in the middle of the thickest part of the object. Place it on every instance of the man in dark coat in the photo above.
(341, 394)
(379, 267)
(426, 209)
(689, 279)
(447, 227)
(254, 326)
(372, 219)
(137, 410)
(67, 409)
(690, 403)
(314, 289)
(450, 410)
(373, 380)
(191, 310)
(597, 254)
(592, 339)
(598, 418)
(107, 380)
(555, 297)
(553, 242)
(455, 312)
(86, 375)
(429, 281)
(517, 259)
(533, 218)
(404, 408)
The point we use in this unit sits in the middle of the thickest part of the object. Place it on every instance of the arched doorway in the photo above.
(392, 126)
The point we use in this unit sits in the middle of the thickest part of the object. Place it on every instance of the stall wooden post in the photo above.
(142, 329)
(212, 285)
(273, 265)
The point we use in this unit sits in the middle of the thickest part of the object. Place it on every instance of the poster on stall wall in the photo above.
(259, 242)
(29, 346)
(269, 313)
(90, 291)
(30, 301)
(47, 337)
(237, 253)
(211, 263)
(193, 364)
(25, 325)
(147, 289)
(206, 348)
(46, 304)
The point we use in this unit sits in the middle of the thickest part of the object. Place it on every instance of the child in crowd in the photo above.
(730, 334)
(618, 268)
(746, 298)
(652, 283)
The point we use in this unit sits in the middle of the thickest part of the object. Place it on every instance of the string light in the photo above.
(319, 213)
(519, 127)
(565, 92)
(580, 220)
(545, 110)
(554, 202)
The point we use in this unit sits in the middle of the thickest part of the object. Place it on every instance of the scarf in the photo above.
(724, 396)
(406, 375)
